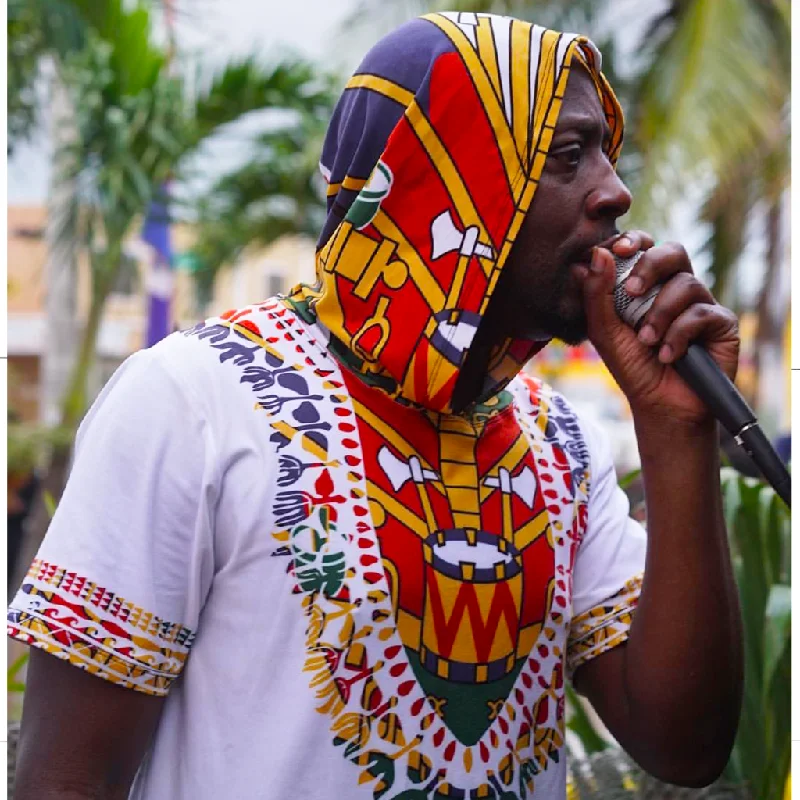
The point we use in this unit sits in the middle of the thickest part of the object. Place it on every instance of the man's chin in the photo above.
(572, 335)
(574, 338)
(543, 321)
(570, 328)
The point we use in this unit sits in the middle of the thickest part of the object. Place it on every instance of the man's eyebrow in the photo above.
(583, 123)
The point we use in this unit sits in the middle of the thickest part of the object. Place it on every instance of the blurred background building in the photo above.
(261, 271)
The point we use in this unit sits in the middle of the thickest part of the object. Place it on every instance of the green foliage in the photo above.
(580, 724)
(13, 683)
(759, 526)
(27, 443)
(279, 191)
(133, 125)
(126, 144)
(713, 86)
(50, 503)
(246, 85)
(35, 29)
(57, 29)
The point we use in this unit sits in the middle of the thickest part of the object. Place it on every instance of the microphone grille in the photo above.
(631, 309)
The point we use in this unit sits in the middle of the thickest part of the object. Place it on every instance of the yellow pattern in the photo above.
(429, 287)
(488, 52)
(381, 86)
(491, 102)
(603, 627)
(351, 184)
(520, 83)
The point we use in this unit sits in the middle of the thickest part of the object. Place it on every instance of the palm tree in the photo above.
(134, 124)
(713, 104)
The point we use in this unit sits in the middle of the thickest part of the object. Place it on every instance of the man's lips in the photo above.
(585, 256)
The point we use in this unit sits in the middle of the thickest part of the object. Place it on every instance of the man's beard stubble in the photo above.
(554, 312)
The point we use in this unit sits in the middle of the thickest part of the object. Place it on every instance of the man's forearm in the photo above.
(683, 662)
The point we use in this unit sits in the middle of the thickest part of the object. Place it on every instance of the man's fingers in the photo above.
(657, 265)
(678, 294)
(699, 322)
(598, 288)
(631, 242)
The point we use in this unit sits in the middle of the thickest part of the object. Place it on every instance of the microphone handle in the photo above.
(701, 373)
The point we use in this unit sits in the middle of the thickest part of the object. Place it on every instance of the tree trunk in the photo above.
(57, 358)
(74, 403)
(61, 271)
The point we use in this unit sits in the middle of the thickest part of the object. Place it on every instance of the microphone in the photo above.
(702, 374)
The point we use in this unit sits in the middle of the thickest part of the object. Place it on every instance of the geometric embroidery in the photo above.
(603, 627)
(74, 619)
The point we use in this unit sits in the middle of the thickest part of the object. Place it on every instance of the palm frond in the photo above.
(244, 86)
(35, 30)
(60, 28)
(711, 96)
(726, 211)
(279, 191)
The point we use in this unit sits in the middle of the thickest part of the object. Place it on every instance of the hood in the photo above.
(432, 159)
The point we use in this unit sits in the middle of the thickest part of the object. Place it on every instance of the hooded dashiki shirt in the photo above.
(275, 521)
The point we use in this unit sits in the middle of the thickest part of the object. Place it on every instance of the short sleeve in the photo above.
(123, 572)
(609, 565)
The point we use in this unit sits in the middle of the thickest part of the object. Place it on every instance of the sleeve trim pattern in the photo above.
(74, 619)
(603, 627)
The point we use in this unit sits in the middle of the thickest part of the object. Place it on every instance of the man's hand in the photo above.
(684, 311)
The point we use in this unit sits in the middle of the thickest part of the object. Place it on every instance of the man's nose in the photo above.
(611, 197)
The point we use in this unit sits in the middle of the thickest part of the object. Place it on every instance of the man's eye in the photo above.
(569, 155)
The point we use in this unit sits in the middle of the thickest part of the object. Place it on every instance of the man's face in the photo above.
(576, 205)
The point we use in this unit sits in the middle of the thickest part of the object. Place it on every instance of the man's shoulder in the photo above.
(199, 359)
(259, 323)
(240, 351)
(254, 334)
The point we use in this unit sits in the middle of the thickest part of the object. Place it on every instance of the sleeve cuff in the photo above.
(603, 627)
(94, 629)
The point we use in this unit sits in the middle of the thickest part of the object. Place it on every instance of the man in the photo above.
(333, 545)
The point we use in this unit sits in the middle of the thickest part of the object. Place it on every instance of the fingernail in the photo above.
(596, 263)
(634, 285)
(665, 353)
(647, 335)
(624, 241)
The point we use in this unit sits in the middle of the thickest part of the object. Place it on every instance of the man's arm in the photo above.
(672, 694)
(81, 737)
